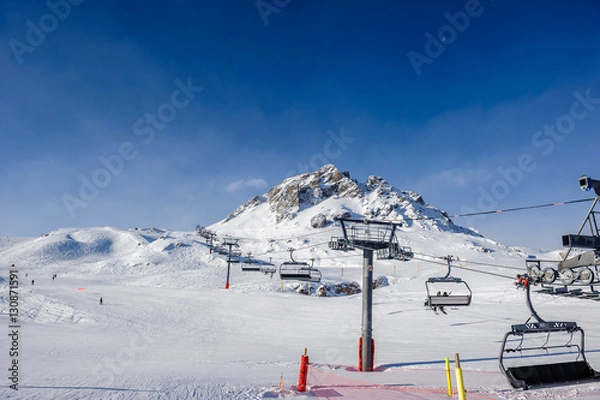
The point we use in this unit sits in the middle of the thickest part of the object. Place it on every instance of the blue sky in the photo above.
(177, 112)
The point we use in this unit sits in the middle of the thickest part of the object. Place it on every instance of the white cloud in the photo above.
(459, 177)
(254, 183)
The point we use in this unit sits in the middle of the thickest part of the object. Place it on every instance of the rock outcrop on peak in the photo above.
(293, 194)
(374, 199)
(296, 193)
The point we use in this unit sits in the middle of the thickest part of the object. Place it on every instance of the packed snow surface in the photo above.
(167, 328)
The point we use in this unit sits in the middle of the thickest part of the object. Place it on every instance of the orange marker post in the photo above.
(303, 372)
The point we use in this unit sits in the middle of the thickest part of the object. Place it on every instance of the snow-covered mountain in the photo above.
(167, 328)
(327, 193)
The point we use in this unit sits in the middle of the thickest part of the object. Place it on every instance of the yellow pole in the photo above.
(448, 377)
(459, 379)
(281, 286)
(308, 289)
(394, 269)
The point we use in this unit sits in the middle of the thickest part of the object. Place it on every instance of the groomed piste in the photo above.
(168, 328)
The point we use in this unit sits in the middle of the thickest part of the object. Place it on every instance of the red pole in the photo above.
(372, 354)
(360, 359)
(360, 354)
(303, 372)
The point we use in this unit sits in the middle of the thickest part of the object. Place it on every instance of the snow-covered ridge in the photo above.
(339, 195)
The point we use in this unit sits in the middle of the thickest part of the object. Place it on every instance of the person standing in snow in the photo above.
(100, 300)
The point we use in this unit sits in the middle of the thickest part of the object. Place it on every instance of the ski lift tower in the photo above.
(230, 243)
(369, 236)
(592, 241)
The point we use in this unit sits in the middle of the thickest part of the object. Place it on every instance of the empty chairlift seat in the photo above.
(530, 368)
(267, 269)
(250, 266)
(299, 271)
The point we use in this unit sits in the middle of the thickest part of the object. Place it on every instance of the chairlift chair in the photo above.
(395, 252)
(447, 291)
(448, 298)
(543, 335)
(298, 271)
(250, 265)
(267, 269)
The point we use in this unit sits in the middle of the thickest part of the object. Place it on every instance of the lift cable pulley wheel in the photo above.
(581, 269)
(591, 241)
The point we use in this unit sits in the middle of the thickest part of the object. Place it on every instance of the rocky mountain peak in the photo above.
(374, 199)
(302, 191)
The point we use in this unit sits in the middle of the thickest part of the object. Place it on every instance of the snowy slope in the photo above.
(169, 330)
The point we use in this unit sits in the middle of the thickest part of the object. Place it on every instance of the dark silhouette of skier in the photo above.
(442, 307)
(100, 300)
(435, 308)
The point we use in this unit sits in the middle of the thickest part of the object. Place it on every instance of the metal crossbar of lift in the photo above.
(379, 236)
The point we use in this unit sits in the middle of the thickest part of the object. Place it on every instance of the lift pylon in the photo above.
(369, 236)
(579, 270)
(230, 243)
(591, 241)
